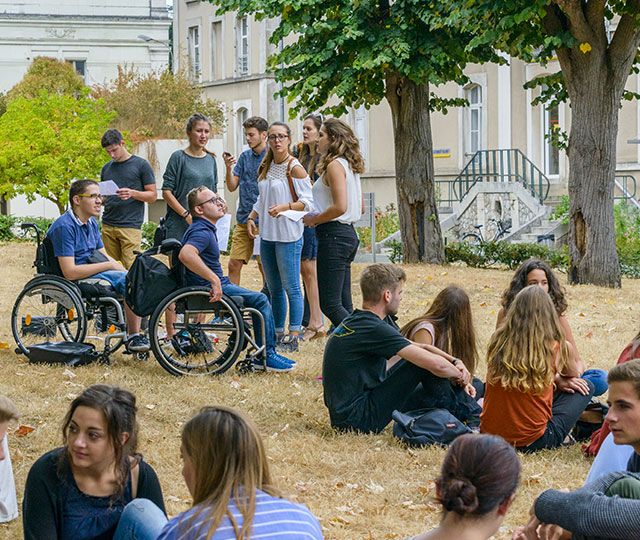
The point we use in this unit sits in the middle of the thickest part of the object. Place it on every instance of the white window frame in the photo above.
(194, 48)
(243, 46)
(547, 147)
(73, 61)
(238, 132)
(216, 52)
(360, 123)
(473, 109)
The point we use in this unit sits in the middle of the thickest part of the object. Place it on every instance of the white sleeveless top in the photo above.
(322, 195)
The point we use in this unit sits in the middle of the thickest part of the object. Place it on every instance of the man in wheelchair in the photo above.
(77, 245)
(200, 255)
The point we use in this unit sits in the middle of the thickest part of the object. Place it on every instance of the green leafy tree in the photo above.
(157, 104)
(54, 76)
(48, 141)
(596, 44)
(344, 53)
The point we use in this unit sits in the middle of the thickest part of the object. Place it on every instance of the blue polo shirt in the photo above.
(201, 234)
(246, 170)
(72, 238)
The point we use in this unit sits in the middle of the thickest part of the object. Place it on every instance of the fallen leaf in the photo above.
(585, 47)
(23, 430)
(589, 334)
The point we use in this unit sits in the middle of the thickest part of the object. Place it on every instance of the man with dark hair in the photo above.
(200, 255)
(245, 176)
(124, 212)
(77, 245)
(359, 391)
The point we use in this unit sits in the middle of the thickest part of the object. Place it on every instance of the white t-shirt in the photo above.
(8, 502)
(274, 189)
(322, 195)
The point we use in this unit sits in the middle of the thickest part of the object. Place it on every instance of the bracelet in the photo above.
(289, 206)
(185, 214)
(251, 219)
(456, 360)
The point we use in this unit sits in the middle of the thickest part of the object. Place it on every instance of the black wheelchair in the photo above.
(202, 337)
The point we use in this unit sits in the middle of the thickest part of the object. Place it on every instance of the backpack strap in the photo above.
(292, 189)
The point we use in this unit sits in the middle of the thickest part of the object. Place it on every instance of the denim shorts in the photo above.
(309, 244)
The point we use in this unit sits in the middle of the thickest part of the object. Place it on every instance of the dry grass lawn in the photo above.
(358, 486)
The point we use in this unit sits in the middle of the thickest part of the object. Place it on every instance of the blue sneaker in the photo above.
(285, 359)
(274, 363)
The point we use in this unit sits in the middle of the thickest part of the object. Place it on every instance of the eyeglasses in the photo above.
(92, 196)
(278, 137)
(215, 200)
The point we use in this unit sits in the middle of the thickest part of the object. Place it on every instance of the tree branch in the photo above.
(554, 22)
(578, 24)
(626, 40)
(595, 19)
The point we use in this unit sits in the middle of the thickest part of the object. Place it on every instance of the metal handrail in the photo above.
(626, 183)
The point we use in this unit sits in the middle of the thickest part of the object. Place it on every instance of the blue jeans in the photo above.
(260, 302)
(117, 279)
(281, 263)
(140, 520)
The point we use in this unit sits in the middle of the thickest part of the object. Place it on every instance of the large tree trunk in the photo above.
(419, 223)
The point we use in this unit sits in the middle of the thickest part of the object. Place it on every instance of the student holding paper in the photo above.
(338, 202)
(283, 185)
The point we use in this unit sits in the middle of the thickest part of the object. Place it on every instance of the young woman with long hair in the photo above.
(283, 184)
(538, 272)
(338, 203)
(96, 486)
(226, 470)
(476, 486)
(524, 355)
(188, 168)
(308, 156)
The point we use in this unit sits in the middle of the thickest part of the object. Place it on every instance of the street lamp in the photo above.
(149, 39)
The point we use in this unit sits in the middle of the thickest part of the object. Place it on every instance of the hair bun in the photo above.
(459, 495)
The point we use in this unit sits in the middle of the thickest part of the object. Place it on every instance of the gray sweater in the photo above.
(590, 514)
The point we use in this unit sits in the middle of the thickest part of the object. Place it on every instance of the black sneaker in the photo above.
(288, 344)
(137, 343)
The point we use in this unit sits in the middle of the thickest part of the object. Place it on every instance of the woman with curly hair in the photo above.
(524, 355)
(538, 272)
(476, 487)
(337, 199)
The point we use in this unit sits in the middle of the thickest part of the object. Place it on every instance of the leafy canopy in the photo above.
(340, 53)
(54, 76)
(48, 141)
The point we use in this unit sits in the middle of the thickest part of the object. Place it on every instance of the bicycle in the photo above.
(477, 238)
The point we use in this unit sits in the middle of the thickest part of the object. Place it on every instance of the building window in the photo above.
(473, 119)
(242, 46)
(80, 66)
(193, 42)
(551, 123)
(216, 50)
(360, 129)
(241, 116)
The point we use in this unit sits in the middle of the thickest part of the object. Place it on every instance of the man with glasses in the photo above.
(200, 254)
(81, 254)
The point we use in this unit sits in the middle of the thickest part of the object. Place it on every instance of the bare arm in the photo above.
(435, 363)
(149, 194)
(190, 257)
(73, 271)
(173, 203)
(336, 178)
(230, 179)
(568, 334)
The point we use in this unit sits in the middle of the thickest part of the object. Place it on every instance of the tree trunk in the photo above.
(595, 100)
(419, 223)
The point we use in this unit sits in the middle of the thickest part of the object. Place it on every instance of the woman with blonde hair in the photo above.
(283, 185)
(524, 355)
(338, 203)
(226, 470)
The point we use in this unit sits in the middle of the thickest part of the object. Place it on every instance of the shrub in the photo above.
(6, 223)
(148, 231)
(387, 223)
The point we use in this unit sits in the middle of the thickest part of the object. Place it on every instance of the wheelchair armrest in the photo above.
(169, 246)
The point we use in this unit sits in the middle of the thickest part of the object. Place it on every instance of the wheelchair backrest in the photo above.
(46, 261)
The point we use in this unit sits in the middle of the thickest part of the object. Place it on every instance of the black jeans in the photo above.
(408, 387)
(565, 412)
(337, 247)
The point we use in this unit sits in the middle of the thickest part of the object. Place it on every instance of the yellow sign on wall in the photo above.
(441, 152)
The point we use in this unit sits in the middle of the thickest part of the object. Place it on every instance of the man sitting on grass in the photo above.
(608, 507)
(359, 392)
(200, 255)
(80, 252)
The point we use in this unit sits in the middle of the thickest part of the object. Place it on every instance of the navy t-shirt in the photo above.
(246, 170)
(634, 463)
(355, 362)
(72, 238)
(201, 234)
(134, 173)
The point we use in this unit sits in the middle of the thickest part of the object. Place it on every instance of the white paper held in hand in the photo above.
(223, 227)
(293, 215)
(108, 187)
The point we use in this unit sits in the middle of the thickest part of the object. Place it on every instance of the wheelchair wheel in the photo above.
(104, 319)
(47, 311)
(206, 338)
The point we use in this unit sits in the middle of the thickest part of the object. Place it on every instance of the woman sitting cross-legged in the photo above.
(476, 487)
(227, 473)
(524, 355)
(96, 486)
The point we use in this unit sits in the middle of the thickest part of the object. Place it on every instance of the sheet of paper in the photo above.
(108, 187)
(223, 227)
(293, 215)
(256, 246)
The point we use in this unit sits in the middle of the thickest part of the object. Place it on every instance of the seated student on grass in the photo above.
(359, 392)
(8, 502)
(448, 325)
(200, 255)
(476, 487)
(226, 470)
(77, 245)
(537, 272)
(608, 507)
(96, 486)
(524, 355)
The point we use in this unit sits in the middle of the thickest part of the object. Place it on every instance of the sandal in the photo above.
(313, 333)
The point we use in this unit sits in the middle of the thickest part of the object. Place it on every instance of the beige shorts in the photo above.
(241, 243)
(121, 243)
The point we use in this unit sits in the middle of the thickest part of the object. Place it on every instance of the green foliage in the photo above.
(627, 224)
(49, 74)
(10, 227)
(387, 223)
(396, 254)
(148, 230)
(6, 224)
(511, 255)
(157, 104)
(48, 141)
(561, 212)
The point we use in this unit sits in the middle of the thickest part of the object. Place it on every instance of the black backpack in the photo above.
(148, 282)
(427, 426)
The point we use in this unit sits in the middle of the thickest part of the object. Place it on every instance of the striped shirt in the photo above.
(274, 519)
